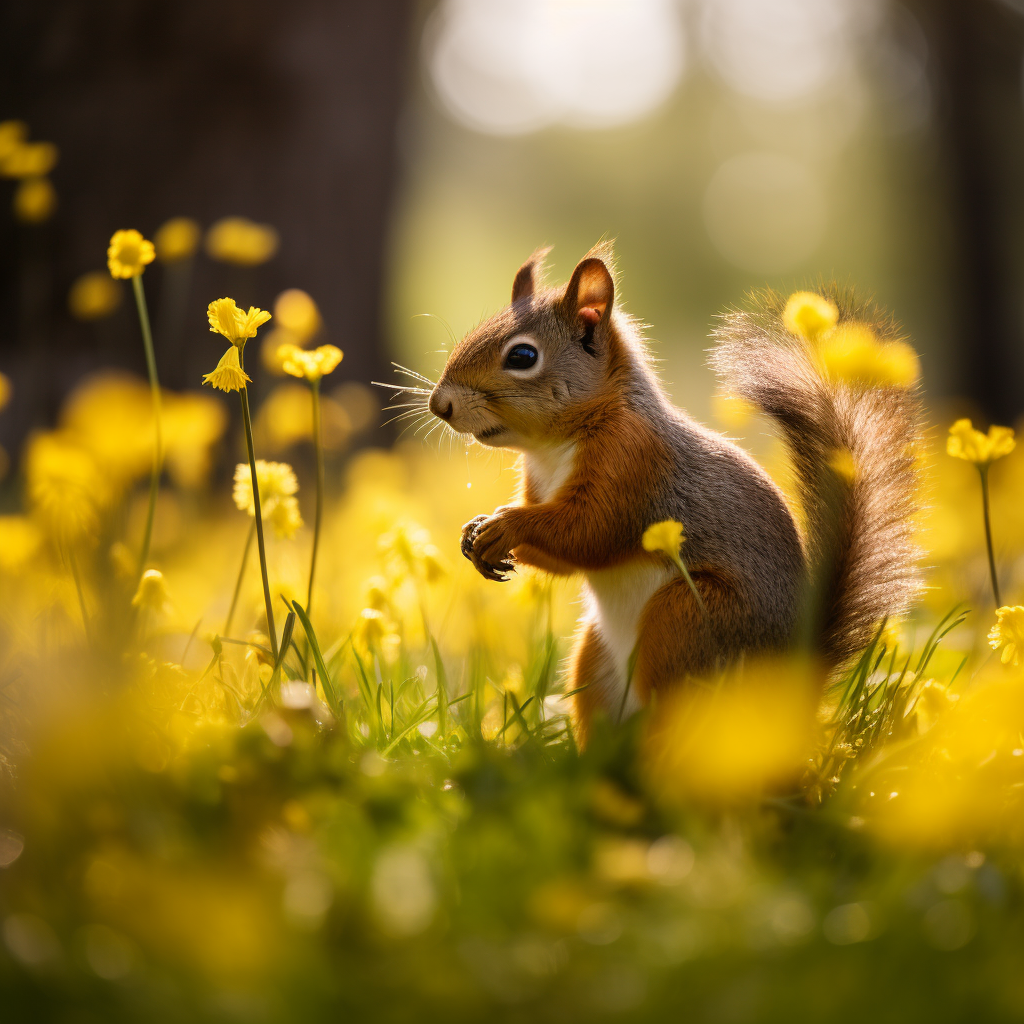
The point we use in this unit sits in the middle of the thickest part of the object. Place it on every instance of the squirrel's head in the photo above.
(516, 380)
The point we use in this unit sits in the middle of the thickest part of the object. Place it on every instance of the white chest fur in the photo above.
(617, 598)
(548, 468)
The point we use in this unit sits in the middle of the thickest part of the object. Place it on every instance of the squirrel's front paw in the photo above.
(485, 550)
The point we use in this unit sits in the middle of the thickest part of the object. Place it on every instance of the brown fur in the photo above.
(606, 455)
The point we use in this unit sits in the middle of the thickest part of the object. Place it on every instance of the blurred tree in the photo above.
(285, 113)
(978, 47)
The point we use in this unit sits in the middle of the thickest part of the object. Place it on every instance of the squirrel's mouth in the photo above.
(486, 435)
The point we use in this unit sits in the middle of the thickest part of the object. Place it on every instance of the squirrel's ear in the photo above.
(529, 275)
(590, 292)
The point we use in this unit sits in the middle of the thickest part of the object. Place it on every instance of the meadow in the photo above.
(278, 753)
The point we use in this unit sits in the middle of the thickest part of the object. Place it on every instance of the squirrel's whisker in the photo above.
(412, 373)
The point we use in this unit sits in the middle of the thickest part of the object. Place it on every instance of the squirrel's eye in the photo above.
(521, 357)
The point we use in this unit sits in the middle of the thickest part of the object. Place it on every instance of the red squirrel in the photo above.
(563, 376)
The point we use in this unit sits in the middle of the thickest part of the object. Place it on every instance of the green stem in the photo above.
(158, 450)
(988, 534)
(681, 566)
(241, 576)
(318, 448)
(247, 420)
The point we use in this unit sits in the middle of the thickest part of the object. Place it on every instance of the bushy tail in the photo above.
(854, 448)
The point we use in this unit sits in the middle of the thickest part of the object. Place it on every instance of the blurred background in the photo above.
(404, 158)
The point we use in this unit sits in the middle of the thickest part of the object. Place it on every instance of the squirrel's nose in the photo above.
(441, 405)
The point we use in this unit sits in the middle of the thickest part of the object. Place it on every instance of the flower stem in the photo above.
(241, 576)
(154, 387)
(318, 448)
(247, 420)
(988, 534)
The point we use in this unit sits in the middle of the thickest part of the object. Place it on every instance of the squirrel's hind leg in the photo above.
(677, 638)
(592, 675)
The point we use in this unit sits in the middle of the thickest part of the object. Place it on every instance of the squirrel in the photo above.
(563, 376)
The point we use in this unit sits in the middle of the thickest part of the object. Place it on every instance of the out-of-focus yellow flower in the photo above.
(66, 488)
(240, 240)
(20, 540)
(809, 315)
(111, 416)
(666, 537)
(193, 423)
(435, 568)
(228, 375)
(732, 411)
(843, 464)
(35, 200)
(93, 296)
(285, 418)
(12, 135)
(152, 592)
(971, 445)
(297, 313)
(237, 326)
(374, 632)
(1007, 634)
(128, 253)
(405, 547)
(313, 365)
(278, 486)
(930, 703)
(851, 354)
(752, 730)
(29, 160)
(176, 239)
(5, 389)
(377, 593)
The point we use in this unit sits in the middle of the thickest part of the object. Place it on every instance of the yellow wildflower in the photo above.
(29, 160)
(435, 568)
(732, 411)
(311, 365)
(176, 239)
(229, 375)
(278, 485)
(226, 318)
(20, 539)
(852, 354)
(1007, 634)
(152, 591)
(93, 296)
(285, 517)
(12, 135)
(297, 314)
(809, 315)
(239, 240)
(971, 445)
(193, 423)
(129, 253)
(843, 464)
(666, 537)
(35, 200)
(5, 390)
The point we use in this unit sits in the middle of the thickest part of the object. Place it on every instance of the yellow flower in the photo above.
(666, 537)
(152, 592)
(29, 160)
(311, 365)
(226, 318)
(5, 390)
(93, 296)
(809, 315)
(229, 375)
(435, 568)
(193, 423)
(732, 411)
(35, 200)
(1008, 634)
(176, 239)
(20, 539)
(12, 135)
(239, 240)
(129, 253)
(843, 464)
(851, 354)
(971, 445)
(297, 313)
(278, 485)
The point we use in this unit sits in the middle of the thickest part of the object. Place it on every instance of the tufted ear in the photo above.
(530, 274)
(590, 292)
